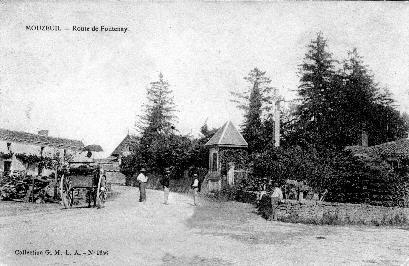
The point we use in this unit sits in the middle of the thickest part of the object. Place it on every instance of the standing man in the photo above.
(230, 174)
(165, 183)
(195, 187)
(142, 179)
(276, 198)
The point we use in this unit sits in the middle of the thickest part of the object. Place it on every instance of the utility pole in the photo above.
(277, 115)
(277, 124)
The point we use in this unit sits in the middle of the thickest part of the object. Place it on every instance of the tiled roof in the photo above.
(398, 148)
(34, 139)
(227, 135)
(109, 159)
(126, 142)
(111, 167)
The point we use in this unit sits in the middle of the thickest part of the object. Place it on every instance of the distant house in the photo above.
(384, 189)
(111, 164)
(396, 153)
(19, 150)
(227, 151)
(125, 147)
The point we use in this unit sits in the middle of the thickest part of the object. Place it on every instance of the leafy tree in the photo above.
(199, 154)
(405, 118)
(255, 102)
(206, 132)
(159, 146)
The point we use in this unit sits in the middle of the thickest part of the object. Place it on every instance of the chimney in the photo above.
(43, 133)
(364, 139)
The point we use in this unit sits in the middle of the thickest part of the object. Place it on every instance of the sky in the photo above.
(91, 86)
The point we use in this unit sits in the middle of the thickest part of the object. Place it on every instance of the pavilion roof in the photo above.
(227, 136)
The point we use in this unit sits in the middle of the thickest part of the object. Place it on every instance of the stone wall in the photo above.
(316, 212)
(115, 177)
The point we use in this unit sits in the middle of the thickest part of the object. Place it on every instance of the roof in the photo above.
(40, 140)
(93, 147)
(227, 136)
(398, 148)
(126, 142)
(111, 167)
(107, 160)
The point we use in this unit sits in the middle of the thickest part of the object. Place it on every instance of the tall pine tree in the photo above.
(156, 126)
(337, 106)
(365, 107)
(316, 92)
(255, 102)
(159, 111)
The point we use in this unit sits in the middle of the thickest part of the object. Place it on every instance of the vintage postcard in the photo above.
(204, 133)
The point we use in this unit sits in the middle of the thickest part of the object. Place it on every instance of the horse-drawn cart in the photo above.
(85, 177)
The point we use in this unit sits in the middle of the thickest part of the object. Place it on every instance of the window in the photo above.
(214, 162)
(7, 168)
(40, 169)
(9, 146)
(394, 163)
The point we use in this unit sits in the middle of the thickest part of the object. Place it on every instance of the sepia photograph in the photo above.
(204, 132)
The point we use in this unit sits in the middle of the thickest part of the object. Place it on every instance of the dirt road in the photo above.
(126, 232)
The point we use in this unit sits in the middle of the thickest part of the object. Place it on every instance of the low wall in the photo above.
(115, 178)
(316, 212)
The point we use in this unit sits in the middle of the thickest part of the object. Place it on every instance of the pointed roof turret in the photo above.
(227, 136)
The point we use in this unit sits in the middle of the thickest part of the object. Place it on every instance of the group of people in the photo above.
(276, 198)
(165, 182)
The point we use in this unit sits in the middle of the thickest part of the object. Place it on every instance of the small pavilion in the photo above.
(227, 148)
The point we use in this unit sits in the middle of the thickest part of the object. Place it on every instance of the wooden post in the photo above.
(56, 183)
(32, 190)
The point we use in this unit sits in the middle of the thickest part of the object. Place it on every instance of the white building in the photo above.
(15, 145)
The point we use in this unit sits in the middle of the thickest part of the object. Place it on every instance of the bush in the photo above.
(292, 217)
(225, 194)
(295, 163)
(347, 178)
(330, 218)
(398, 218)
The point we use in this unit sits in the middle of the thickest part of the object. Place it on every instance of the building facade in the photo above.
(227, 153)
(22, 151)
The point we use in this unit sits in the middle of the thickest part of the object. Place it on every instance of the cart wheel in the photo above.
(65, 193)
(100, 194)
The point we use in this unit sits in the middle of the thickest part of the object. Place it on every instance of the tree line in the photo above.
(338, 101)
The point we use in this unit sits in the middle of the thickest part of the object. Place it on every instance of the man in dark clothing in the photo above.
(165, 183)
